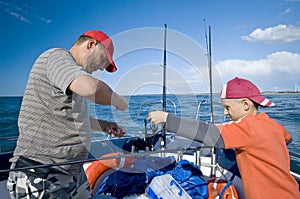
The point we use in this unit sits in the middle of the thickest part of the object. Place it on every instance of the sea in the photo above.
(134, 119)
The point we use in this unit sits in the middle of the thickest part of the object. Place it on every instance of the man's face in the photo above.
(96, 59)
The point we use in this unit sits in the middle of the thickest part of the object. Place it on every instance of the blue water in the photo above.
(286, 112)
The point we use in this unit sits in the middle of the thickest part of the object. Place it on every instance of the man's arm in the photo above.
(97, 91)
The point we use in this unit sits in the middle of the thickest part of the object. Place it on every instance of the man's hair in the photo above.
(81, 39)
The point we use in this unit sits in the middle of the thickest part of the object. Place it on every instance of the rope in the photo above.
(229, 182)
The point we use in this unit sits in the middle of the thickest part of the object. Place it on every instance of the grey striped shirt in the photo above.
(54, 122)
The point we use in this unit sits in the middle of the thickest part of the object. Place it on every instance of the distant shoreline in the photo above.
(280, 92)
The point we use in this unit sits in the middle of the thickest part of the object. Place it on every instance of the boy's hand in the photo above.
(157, 117)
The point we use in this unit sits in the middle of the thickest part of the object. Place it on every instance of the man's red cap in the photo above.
(242, 88)
(106, 41)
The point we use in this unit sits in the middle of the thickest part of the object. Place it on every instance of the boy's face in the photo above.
(234, 109)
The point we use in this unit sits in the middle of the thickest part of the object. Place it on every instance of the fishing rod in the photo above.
(163, 130)
(164, 68)
(210, 77)
(213, 151)
(136, 155)
(208, 47)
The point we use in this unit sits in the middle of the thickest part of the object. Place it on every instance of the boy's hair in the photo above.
(240, 99)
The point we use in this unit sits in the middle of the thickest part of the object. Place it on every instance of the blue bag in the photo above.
(136, 179)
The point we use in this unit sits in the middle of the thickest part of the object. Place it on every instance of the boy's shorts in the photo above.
(55, 185)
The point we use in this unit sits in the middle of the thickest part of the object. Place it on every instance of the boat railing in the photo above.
(295, 155)
(198, 108)
(8, 138)
(6, 147)
(179, 151)
(121, 155)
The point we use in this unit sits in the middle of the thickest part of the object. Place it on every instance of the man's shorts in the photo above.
(58, 185)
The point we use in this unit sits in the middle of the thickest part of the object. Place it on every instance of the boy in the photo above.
(259, 141)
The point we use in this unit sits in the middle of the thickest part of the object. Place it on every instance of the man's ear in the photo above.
(91, 43)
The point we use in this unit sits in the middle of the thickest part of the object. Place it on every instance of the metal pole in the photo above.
(164, 69)
(213, 152)
(163, 131)
(210, 77)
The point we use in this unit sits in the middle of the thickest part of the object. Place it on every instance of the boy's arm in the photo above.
(201, 131)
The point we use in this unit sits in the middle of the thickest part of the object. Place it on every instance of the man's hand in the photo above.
(157, 117)
(114, 130)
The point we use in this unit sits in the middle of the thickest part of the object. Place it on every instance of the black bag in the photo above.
(41, 172)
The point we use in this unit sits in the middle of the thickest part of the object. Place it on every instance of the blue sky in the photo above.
(253, 39)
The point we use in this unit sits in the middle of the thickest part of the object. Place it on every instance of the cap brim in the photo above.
(262, 101)
(112, 67)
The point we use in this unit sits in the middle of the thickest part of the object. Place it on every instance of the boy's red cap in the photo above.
(106, 41)
(242, 88)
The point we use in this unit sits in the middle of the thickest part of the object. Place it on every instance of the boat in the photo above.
(155, 142)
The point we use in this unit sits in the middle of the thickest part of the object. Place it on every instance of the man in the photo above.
(259, 141)
(54, 124)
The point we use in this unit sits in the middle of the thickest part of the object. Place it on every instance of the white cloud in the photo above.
(18, 16)
(275, 69)
(286, 11)
(22, 14)
(283, 61)
(280, 33)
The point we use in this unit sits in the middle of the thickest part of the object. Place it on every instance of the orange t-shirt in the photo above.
(262, 156)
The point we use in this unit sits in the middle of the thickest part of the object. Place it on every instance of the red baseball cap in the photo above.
(106, 41)
(242, 88)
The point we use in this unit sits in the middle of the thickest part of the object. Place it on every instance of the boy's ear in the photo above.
(246, 104)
